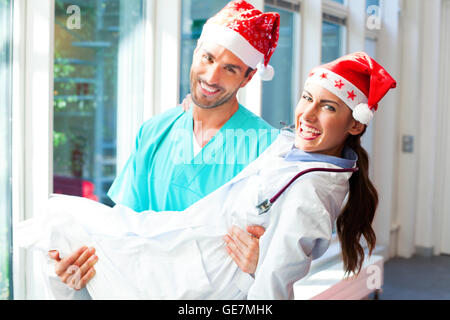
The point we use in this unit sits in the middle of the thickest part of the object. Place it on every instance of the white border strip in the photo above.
(18, 136)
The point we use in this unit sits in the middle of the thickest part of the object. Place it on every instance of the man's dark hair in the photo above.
(249, 70)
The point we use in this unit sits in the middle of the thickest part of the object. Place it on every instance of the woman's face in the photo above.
(323, 122)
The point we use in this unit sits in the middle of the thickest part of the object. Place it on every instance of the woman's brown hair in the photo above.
(357, 216)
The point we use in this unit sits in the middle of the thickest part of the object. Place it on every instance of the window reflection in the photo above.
(86, 86)
(278, 94)
(333, 44)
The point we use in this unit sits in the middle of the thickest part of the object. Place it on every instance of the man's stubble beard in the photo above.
(219, 103)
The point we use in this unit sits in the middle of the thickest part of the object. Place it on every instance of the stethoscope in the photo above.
(265, 206)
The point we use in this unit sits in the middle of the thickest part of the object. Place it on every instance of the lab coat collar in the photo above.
(348, 160)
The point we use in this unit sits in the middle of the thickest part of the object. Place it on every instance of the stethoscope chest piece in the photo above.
(264, 206)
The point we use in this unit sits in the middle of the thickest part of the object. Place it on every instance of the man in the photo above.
(180, 157)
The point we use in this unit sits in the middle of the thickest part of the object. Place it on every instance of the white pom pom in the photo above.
(362, 113)
(265, 73)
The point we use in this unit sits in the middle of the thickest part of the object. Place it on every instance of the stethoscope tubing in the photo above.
(267, 204)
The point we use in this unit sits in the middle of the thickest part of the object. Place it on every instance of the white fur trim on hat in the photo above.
(354, 98)
(265, 73)
(232, 41)
(330, 80)
(362, 113)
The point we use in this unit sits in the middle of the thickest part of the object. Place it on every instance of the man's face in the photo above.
(216, 76)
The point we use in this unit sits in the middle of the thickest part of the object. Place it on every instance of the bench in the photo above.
(328, 283)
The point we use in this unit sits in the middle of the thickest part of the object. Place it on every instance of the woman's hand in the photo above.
(243, 248)
(187, 102)
(77, 269)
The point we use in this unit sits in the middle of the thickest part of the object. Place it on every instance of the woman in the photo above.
(181, 255)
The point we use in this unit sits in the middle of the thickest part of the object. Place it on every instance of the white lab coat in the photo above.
(181, 255)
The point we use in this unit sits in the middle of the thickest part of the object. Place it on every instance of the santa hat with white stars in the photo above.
(247, 32)
(356, 79)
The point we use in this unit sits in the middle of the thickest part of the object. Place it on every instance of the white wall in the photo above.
(429, 103)
(415, 209)
(408, 124)
(385, 127)
(441, 217)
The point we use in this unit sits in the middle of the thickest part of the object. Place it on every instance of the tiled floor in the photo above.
(418, 278)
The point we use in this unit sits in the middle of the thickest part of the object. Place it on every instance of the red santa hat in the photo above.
(247, 32)
(356, 79)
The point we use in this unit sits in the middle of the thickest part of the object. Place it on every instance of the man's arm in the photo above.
(243, 247)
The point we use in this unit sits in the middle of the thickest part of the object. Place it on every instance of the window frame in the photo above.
(32, 120)
(8, 167)
(32, 125)
(296, 46)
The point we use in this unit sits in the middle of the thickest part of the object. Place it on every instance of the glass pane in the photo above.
(278, 95)
(5, 149)
(194, 15)
(372, 3)
(333, 44)
(338, 1)
(88, 54)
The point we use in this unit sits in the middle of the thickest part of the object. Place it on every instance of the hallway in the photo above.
(418, 278)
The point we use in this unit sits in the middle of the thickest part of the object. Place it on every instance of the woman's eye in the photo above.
(331, 108)
(307, 98)
(208, 58)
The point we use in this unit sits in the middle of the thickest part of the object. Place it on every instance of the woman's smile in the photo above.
(307, 132)
(323, 122)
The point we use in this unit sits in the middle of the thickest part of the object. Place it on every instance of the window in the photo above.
(89, 88)
(279, 95)
(370, 3)
(194, 15)
(5, 149)
(333, 40)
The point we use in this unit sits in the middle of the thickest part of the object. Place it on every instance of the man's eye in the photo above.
(230, 69)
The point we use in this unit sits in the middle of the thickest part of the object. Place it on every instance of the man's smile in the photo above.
(208, 90)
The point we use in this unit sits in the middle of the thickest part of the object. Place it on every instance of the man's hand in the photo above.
(244, 248)
(77, 269)
(187, 102)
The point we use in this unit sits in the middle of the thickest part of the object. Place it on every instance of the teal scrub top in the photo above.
(162, 173)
